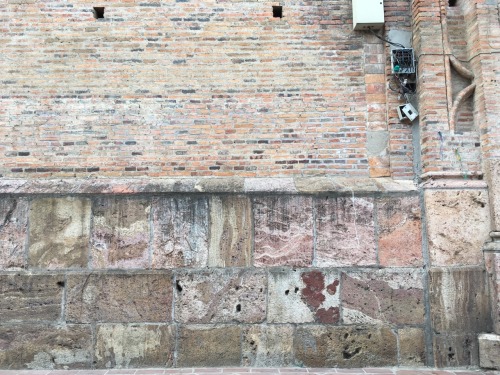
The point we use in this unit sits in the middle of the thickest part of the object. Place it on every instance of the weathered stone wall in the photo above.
(197, 88)
(269, 278)
(284, 272)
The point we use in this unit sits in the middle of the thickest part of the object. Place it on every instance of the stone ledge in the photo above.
(298, 185)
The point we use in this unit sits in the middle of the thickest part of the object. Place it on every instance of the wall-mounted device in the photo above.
(403, 61)
(367, 14)
(407, 112)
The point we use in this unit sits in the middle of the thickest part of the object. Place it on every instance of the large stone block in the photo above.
(45, 347)
(268, 346)
(390, 296)
(230, 231)
(134, 297)
(14, 219)
(209, 346)
(283, 231)
(458, 224)
(458, 350)
(400, 232)
(459, 300)
(352, 346)
(411, 347)
(489, 351)
(221, 295)
(180, 232)
(120, 236)
(129, 345)
(345, 232)
(303, 296)
(30, 298)
(59, 233)
(492, 262)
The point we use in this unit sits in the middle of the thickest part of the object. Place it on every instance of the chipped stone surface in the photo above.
(120, 236)
(345, 232)
(220, 185)
(459, 300)
(180, 232)
(59, 233)
(489, 351)
(110, 297)
(458, 224)
(386, 296)
(45, 347)
(13, 229)
(411, 347)
(352, 346)
(129, 345)
(400, 232)
(230, 231)
(274, 185)
(283, 231)
(268, 346)
(30, 298)
(303, 296)
(221, 295)
(458, 350)
(209, 346)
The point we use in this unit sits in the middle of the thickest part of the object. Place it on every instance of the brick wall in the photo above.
(194, 88)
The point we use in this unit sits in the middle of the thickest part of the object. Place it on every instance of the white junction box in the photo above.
(367, 14)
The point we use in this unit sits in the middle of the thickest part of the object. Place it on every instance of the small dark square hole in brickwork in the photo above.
(277, 11)
(452, 3)
(98, 12)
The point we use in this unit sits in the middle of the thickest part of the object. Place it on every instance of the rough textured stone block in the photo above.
(120, 235)
(400, 232)
(14, 219)
(209, 346)
(458, 224)
(124, 346)
(456, 350)
(492, 263)
(353, 346)
(59, 232)
(30, 298)
(268, 346)
(134, 297)
(283, 231)
(301, 296)
(45, 347)
(489, 351)
(411, 347)
(383, 296)
(180, 232)
(221, 295)
(230, 231)
(345, 232)
(459, 300)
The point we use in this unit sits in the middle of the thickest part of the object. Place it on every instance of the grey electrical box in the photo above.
(367, 14)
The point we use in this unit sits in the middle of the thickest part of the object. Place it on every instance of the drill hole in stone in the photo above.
(296, 290)
(238, 307)
(178, 286)
(98, 12)
(452, 3)
(286, 292)
(277, 11)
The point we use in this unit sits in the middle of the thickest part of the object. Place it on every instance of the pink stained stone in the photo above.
(283, 231)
